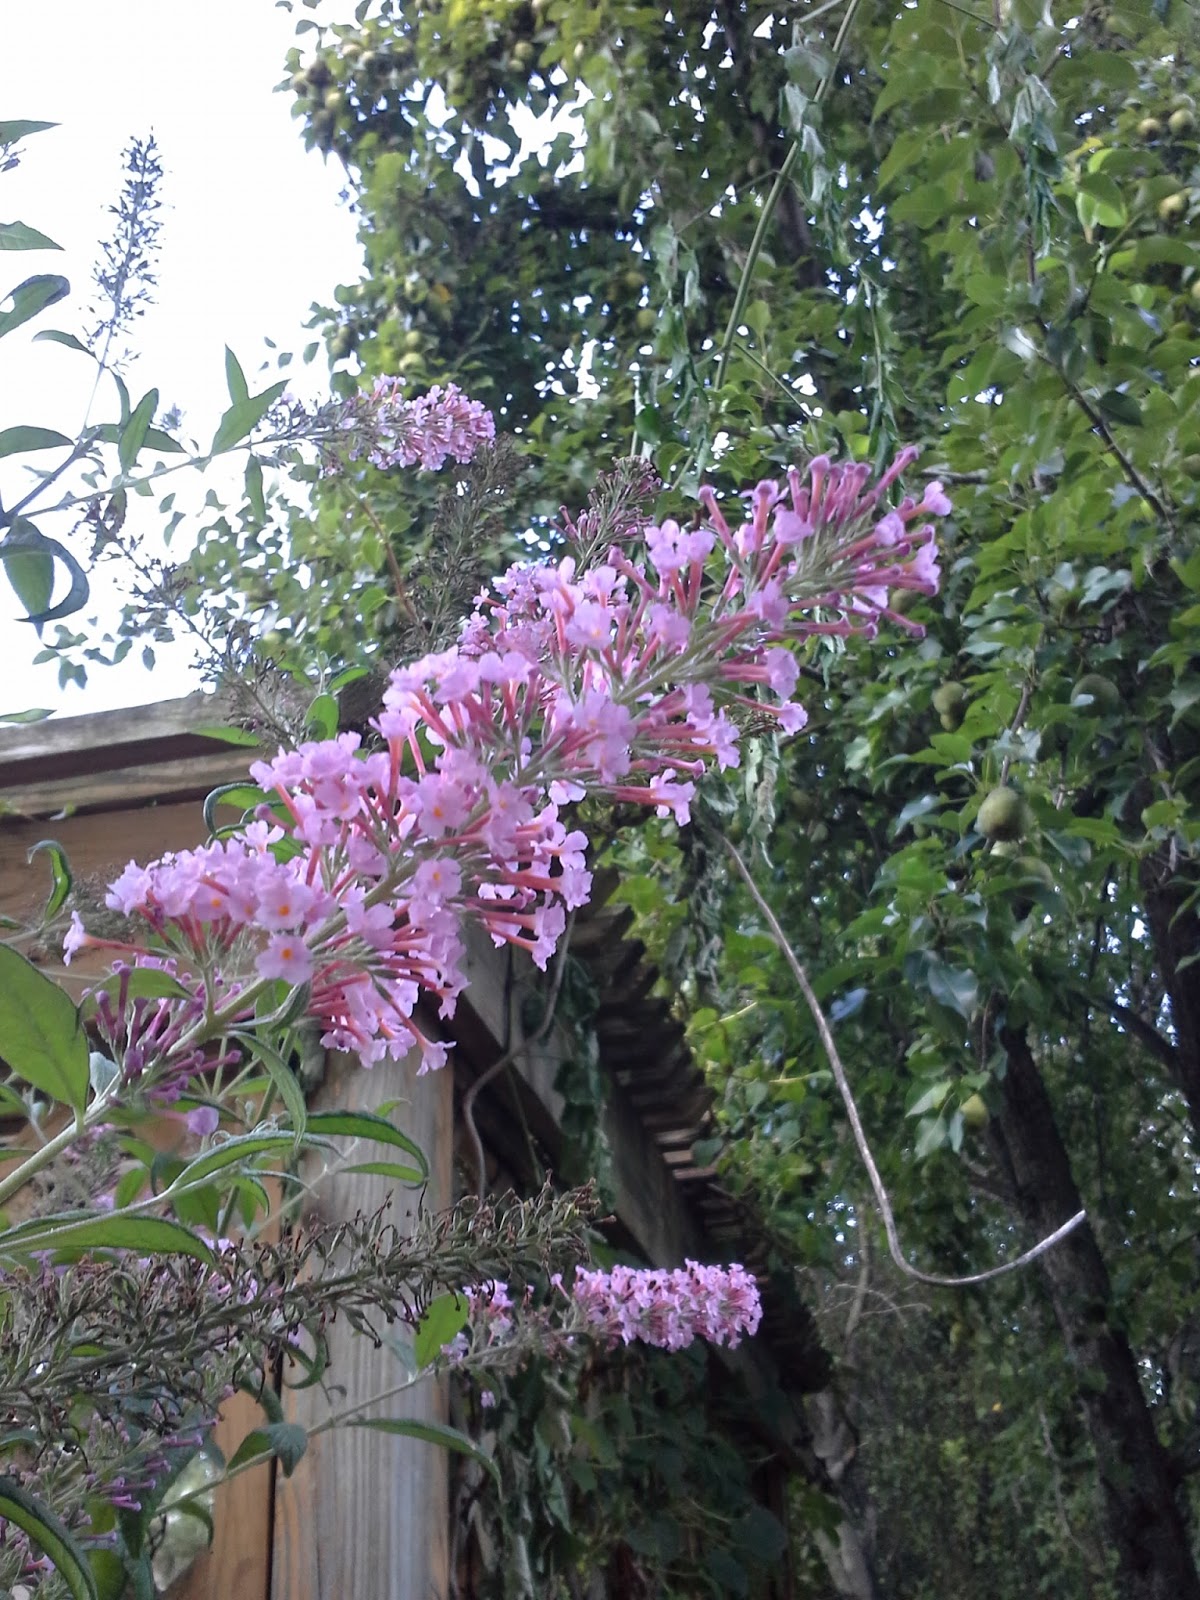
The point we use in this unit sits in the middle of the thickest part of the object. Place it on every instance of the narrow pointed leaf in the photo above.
(243, 417)
(362, 1125)
(239, 389)
(133, 434)
(22, 439)
(19, 1507)
(10, 132)
(431, 1433)
(31, 297)
(57, 336)
(282, 1077)
(87, 1231)
(20, 236)
(60, 874)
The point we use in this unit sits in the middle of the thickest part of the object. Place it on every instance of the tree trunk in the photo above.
(1144, 1522)
(1176, 934)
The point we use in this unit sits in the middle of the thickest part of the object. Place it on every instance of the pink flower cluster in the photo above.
(667, 1309)
(670, 1309)
(622, 680)
(425, 432)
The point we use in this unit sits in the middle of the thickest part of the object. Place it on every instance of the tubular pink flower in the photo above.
(617, 682)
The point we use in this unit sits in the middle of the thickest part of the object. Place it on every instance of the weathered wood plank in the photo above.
(238, 1567)
(365, 1516)
(98, 848)
(99, 737)
(188, 777)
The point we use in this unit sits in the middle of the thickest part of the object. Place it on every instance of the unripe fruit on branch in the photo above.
(1172, 207)
(949, 701)
(974, 1111)
(1105, 696)
(1149, 128)
(1181, 122)
(1191, 465)
(1004, 815)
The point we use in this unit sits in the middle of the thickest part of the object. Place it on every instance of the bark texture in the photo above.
(1144, 1521)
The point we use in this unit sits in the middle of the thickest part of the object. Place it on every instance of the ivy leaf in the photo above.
(41, 1034)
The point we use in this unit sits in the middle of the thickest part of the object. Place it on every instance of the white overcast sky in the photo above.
(254, 232)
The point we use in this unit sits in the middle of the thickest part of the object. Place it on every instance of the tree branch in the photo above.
(860, 1138)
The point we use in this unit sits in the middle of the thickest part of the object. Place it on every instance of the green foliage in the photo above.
(625, 1468)
(982, 241)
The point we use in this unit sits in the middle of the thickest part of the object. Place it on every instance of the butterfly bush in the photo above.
(624, 680)
(667, 1309)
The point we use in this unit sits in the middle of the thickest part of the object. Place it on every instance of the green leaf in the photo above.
(41, 1035)
(239, 389)
(362, 1125)
(242, 797)
(431, 1433)
(155, 439)
(11, 132)
(87, 1231)
(254, 488)
(34, 714)
(152, 983)
(287, 1441)
(230, 735)
(281, 1076)
(231, 1152)
(18, 1506)
(108, 1570)
(60, 874)
(321, 719)
(444, 1318)
(24, 540)
(22, 439)
(31, 297)
(133, 434)
(390, 1169)
(953, 987)
(56, 336)
(243, 417)
(19, 236)
(1121, 407)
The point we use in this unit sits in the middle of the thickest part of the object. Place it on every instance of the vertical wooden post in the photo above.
(365, 1515)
